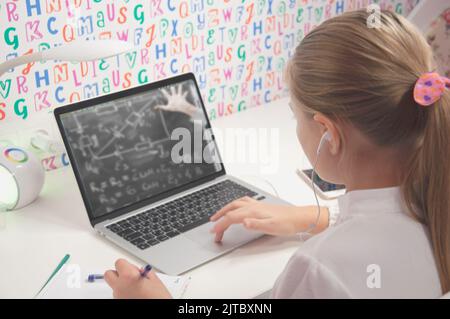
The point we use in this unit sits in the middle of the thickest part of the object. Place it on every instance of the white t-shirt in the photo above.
(375, 250)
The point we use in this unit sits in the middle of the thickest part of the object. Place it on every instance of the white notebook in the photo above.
(70, 284)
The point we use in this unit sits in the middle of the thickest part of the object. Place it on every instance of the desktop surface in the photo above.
(34, 239)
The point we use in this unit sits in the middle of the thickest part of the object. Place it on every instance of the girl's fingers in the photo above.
(121, 264)
(124, 268)
(218, 237)
(238, 203)
(111, 278)
(152, 275)
(227, 208)
(234, 217)
(248, 199)
(261, 225)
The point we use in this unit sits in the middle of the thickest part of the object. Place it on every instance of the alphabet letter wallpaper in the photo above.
(237, 50)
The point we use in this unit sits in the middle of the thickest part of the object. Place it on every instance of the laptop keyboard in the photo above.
(173, 218)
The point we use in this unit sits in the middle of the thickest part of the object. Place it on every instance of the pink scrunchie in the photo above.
(429, 88)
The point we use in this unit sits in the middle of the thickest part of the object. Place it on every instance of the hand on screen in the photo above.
(177, 102)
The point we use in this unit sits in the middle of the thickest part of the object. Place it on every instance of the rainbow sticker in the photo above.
(16, 155)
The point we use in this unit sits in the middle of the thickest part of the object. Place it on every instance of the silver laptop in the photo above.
(150, 174)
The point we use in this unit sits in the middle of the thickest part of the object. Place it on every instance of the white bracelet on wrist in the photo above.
(333, 215)
(333, 212)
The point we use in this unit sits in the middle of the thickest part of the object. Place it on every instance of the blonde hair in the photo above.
(366, 76)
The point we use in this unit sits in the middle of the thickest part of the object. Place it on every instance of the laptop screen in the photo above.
(136, 147)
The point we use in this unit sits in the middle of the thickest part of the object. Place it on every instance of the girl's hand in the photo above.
(127, 283)
(270, 219)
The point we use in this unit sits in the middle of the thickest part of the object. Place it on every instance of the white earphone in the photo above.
(325, 137)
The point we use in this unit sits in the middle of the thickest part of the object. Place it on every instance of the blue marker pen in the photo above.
(94, 277)
(146, 270)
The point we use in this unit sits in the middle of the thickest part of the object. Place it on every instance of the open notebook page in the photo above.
(71, 283)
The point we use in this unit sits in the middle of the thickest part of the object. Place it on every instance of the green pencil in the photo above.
(61, 263)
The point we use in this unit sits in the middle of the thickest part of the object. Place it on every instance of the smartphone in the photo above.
(324, 189)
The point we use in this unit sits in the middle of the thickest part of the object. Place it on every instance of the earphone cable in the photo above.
(313, 175)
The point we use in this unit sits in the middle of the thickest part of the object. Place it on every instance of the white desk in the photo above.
(34, 239)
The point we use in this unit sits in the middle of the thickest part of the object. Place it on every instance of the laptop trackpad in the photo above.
(235, 236)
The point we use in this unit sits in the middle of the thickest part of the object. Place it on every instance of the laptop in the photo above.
(150, 173)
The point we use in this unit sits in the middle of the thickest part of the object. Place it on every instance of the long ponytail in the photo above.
(366, 76)
(426, 188)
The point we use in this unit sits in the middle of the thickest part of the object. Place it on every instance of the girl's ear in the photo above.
(327, 125)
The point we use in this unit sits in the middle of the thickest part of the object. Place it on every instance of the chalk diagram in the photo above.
(122, 149)
(113, 148)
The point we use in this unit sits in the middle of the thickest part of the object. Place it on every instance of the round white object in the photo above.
(22, 177)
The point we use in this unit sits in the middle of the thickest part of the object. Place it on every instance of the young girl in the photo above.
(386, 115)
